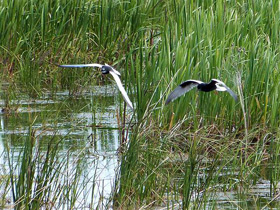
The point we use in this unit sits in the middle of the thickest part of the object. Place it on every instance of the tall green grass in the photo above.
(151, 41)
(156, 45)
(229, 41)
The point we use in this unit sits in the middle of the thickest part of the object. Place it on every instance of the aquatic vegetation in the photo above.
(157, 45)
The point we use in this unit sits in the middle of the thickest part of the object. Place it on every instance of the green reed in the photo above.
(157, 45)
(216, 45)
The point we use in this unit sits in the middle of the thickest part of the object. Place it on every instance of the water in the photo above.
(88, 127)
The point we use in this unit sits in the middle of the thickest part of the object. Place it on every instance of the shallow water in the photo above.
(86, 123)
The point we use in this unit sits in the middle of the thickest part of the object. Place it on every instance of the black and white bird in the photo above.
(106, 69)
(186, 86)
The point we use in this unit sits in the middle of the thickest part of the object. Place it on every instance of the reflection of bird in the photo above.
(106, 69)
(186, 86)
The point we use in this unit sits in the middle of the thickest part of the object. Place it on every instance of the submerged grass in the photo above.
(157, 45)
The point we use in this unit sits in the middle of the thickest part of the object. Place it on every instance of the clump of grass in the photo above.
(40, 178)
(189, 169)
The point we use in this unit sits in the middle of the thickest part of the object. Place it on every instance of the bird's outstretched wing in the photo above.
(121, 88)
(182, 89)
(89, 65)
(222, 87)
(81, 65)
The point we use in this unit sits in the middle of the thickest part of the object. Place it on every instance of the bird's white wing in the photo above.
(218, 81)
(81, 65)
(114, 70)
(182, 89)
(121, 88)
(223, 87)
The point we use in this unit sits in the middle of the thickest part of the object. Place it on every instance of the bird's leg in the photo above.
(216, 92)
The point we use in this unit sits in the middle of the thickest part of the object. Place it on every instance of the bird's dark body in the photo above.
(206, 87)
(106, 69)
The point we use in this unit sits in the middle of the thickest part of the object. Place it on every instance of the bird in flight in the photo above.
(106, 69)
(186, 86)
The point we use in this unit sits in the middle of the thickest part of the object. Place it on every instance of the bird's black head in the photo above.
(105, 69)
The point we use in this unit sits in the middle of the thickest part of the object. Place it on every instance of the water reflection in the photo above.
(70, 119)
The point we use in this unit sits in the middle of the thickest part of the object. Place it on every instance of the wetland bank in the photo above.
(69, 141)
